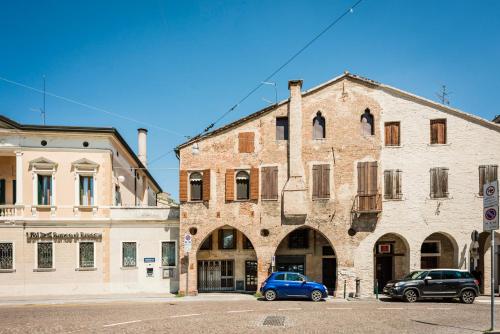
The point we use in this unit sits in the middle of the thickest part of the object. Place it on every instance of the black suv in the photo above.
(435, 283)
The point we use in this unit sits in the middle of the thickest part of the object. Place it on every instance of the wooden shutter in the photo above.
(254, 184)
(325, 181)
(362, 187)
(229, 185)
(269, 182)
(316, 179)
(183, 186)
(434, 183)
(398, 180)
(206, 185)
(438, 131)
(482, 179)
(443, 181)
(388, 132)
(372, 177)
(388, 184)
(246, 142)
(392, 134)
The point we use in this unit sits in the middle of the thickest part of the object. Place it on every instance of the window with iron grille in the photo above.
(392, 184)
(298, 239)
(45, 255)
(6, 255)
(439, 182)
(86, 253)
(129, 254)
(487, 174)
(168, 256)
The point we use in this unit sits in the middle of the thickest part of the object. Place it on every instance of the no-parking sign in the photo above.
(490, 206)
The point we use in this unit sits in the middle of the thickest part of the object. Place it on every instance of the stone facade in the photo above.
(405, 223)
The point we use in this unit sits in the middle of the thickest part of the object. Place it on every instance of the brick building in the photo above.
(352, 179)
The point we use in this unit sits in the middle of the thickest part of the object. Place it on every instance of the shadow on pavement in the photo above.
(434, 301)
(448, 326)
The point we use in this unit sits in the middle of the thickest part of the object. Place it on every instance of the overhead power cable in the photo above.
(288, 61)
(85, 105)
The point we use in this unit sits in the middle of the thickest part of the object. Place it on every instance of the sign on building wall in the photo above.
(187, 243)
(490, 206)
(62, 237)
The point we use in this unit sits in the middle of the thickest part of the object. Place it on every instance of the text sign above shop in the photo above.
(62, 237)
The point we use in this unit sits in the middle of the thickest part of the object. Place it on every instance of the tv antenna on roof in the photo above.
(443, 96)
(42, 110)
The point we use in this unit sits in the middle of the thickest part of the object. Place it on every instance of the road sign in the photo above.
(149, 260)
(490, 194)
(187, 243)
(490, 218)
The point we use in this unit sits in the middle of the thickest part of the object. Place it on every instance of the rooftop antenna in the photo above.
(443, 96)
(42, 110)
(275, 90)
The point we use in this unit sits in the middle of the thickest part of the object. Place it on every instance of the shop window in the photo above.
(367, 123)
(6, 256)
(45, 254)
(282, 128)
(319, 126)
(129, 254)
(86, 255)
(487, 174)
(242, 185)
(196, 186)
(298, 239)
(227, 239)
(439, 182)
(168, 255)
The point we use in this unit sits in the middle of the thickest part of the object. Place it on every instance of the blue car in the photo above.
(288, 284)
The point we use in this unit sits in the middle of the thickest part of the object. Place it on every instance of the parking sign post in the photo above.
(490, 223)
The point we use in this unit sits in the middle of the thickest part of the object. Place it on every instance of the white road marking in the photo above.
(239, 311)
(340, 308)
(439, 308)
(290, 309)
(390, 308)
(122, 323)
(184, 315)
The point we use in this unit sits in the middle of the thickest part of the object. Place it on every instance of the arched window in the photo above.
(318, 126)
(242, 185)
(196, 186)
(367, 123)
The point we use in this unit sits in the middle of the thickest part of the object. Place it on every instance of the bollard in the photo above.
(345, 286)
(376, 288)
(358, 288)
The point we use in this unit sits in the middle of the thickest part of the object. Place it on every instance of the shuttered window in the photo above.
(367, 178)
(246, 142)
(206, 185)
(392, 134)
(392, 184)
(269, 183)
(242, 185)
(195, 186)
(229, 185)
(282, 128)
(183, 186)
(487, 174)
(321, 181)
(439, 182)
(438, 131)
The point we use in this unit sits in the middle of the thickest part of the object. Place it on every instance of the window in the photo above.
(246, 142)
(129, 254)
(327, 251)
(367, 178)
(318, 126)
(487, 174)
(168, 256)
(321, 181)
(2, 191)
(279, 277)
(269, 183)
(118, 196)
(439, 182)
(86, 190)
(392, 134)
(242, 185)
(435, 274)
(367, 123)
(438, 131)
(196, 186)
(247, 244)
(298, 239)
(227, 239)
(14, 191)
(86, 255)
(294, 277)
(431, 248)
(45, 255)
(452, 274)
(44, 189)
(282, 128)
(392, 184)
(207, 244)
(6, 256)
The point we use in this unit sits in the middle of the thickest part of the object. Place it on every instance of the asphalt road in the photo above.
(247, 316)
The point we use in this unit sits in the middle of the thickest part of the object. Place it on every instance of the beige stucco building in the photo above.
(352, 180)
(79, 215)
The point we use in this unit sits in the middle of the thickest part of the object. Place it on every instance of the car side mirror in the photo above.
(427, 278)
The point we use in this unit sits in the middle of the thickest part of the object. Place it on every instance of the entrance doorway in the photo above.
(383, 271)
(391, 259)
(251, 275)
(215, 275)
(329, 267)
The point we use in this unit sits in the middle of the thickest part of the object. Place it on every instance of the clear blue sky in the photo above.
(181, 64)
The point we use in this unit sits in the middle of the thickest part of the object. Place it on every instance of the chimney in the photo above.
(294, 193)
(142, 135)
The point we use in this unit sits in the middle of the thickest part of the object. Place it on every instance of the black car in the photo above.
(435, 283)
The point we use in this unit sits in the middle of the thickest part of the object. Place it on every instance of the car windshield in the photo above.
(419, 274)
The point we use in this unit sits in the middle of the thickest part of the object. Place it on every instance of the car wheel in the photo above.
(270, 295)
(467, 297)
(316, 295)
(411, 296)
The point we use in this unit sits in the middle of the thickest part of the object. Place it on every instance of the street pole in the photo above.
(187, 274)
(492, 271)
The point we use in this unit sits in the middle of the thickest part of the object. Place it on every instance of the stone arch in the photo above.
(391, 258)
(307, 250)
(439, 250)
(482, 269)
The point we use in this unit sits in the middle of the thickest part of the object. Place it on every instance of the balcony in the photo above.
(367, 204)
(158, 213)
(10, 211)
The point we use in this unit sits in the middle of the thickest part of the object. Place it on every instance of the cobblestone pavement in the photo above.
(247, 316)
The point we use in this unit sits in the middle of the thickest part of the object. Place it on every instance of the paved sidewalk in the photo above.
(127, 298)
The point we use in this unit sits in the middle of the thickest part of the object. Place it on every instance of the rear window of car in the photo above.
(279, 277)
